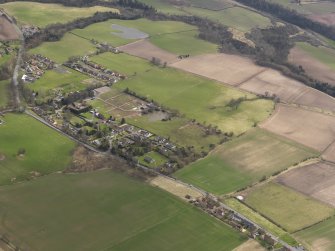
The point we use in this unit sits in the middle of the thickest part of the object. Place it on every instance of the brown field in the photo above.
(315, 180)
(250, 245)
(245, 74)
(7, 30)
(312, 66)
(328, 18)
(309, 128)
(329, 153)
(145, 49)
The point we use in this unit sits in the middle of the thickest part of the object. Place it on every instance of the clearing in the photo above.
(300, 125)
(286, 207)
(315, 180)
(106, 210)
(42, 149)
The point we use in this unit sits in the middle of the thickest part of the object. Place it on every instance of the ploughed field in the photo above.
(106, 210)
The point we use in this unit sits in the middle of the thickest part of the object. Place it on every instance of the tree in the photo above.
(21, 151)
(123, 121)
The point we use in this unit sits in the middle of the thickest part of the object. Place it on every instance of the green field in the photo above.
(237, 17)
(260, 220)
(321, 236)
(164, 6)
(41, 14)
(46, 150)
(4, 86)
(106, 210)
(60, 51)
(243, 161)
(289, 209)
(323, 54)
(175, 37)
(159, 159)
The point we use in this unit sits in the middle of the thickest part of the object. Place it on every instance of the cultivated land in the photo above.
(300, 125)
(60, 51)
(174, 37)
(106, 211)
(316, 180)
(7, 30)
(320, 237)
(329, 154)
(316, 61)
(4, 91)
(250, 245)
(243, 73)
(41, 14)
(287, 207)
(46, 151)
(247, 159)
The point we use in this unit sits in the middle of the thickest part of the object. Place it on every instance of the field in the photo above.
(316, 61)
(329, 154)
(299, 125)
(319, 237)
(7, 30)
(245, 74)
(243, 161)
(4, 85)
(46, 151)
(164, 6)
(287, 207)
(60, 51)
(159, 159)
(250, 245)
(315, 180)
(41, 14)
(174, 37)
(106, 211)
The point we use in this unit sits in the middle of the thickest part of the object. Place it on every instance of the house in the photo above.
(78, 108)
(149, 160)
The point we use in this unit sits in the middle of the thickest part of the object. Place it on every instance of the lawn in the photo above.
(320, 236)
(175, 37)
(4, 86)
(60, 51)
(46, 151)
(41, 14)
(199, 98)
(159, 159)
(291, 210)
(106, 210)
(237, 17)
(323, 54)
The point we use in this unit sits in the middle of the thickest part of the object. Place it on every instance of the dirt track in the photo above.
(316, 180)
(7, 30)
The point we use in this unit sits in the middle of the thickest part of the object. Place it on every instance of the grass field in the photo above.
(41, 14)
(46, 150)
(106, 210)
(175, 37)
(60, 51)
(164, 7)
(260, 220)
(320, 236)
(291, 210)
(159, 159)
(243, 161)
(4, 92)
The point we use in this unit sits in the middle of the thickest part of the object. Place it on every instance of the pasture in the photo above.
(42, 15)
(249, 158)
(287, 207)
(299, 125)
(43, 150)
(315, 180)
(60, 51)
(319, 237)
(4, 92)
(164, 6)
(174, 37)
(106, 210)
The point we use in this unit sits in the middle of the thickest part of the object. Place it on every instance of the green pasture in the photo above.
(4, 92)
(106, 210)
(41, 14)
(291, 210)
(46, 151)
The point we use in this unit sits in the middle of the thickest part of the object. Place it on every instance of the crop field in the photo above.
(7, 30)
(60, 51)
(315, 61)
(291, 210)
(249, 157)
(320, 237)
(329, 154)
(106, 210)
(41, 14)
(315, 180)
(45, 150)
(250, 245)
(174, 37)
(299, 125)
(238, 18)
(4, 85)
